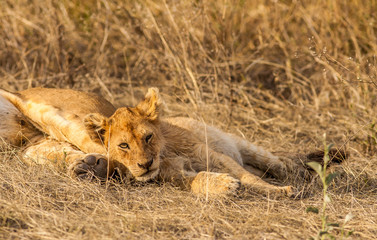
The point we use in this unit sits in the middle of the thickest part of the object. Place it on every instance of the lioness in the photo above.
(140, 143)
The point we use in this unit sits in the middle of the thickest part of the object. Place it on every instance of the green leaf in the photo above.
(316, 167)
(332, 224)
(312, 209)
(330, 146)
(323, 233)
(330, 177)
(350, 233)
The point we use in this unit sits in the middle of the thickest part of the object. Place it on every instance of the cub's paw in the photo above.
(214, 184)
(256, 184)
(88, 166)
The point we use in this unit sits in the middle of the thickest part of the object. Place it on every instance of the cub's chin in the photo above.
(148, 175)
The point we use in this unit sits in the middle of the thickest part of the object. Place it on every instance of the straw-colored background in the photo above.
(279, 73)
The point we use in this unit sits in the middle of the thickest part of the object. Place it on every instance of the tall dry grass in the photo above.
(280, 73)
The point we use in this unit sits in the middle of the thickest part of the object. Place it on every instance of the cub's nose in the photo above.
(146, 165)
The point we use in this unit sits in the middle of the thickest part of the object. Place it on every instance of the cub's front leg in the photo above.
(173, 170)
(64, 155)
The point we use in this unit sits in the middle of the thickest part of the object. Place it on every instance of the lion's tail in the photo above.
(260, 158)
(336, 155)
(254, 155)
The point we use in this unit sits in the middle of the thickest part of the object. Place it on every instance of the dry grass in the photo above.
(280, 73)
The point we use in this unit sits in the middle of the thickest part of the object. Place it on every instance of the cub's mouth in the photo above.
(148, 175)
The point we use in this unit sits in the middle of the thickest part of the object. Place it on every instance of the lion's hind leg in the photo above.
(222, 163)
(257, 157)
(63, 155)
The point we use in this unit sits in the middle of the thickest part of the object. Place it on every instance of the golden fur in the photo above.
(15, 129)
(59, 113)
(140, 143)
(28, 116)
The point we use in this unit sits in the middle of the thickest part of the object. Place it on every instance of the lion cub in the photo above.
(85, 130)
(183, 151)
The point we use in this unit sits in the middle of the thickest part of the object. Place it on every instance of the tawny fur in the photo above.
(136, 140)
(15, 129)
(59, 113)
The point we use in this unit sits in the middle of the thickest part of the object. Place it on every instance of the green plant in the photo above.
(326, 179)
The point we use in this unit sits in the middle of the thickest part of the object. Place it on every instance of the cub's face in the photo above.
(132, 136)
(134, 140)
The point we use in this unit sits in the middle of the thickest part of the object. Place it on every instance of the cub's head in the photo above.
(15, 129)
(132, 135)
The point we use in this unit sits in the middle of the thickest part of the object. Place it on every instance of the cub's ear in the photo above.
(96, 126)
(151, 105)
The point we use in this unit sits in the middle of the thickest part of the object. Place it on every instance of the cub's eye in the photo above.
(148, 138)
(124, 146)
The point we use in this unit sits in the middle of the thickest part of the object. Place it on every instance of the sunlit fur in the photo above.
(131, 126)
(15, 128)
(184, 151)
(48, 124)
